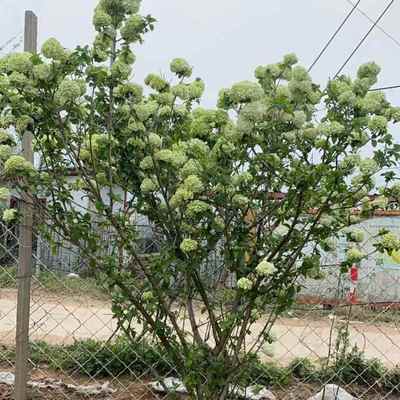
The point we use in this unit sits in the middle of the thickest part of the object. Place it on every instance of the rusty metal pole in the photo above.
(25, 246)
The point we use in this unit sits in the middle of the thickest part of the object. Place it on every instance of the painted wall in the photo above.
(379, 275)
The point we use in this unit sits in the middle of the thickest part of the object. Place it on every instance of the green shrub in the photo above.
(355, 368)
(303, 368)
(391, 381)
(266, 374)
(122, 356)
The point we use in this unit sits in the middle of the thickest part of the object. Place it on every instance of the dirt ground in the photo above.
(63, 320)
(126, 390)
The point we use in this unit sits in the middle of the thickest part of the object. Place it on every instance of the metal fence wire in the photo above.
(343, 330)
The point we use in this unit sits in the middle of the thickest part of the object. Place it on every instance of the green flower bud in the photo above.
(53, 50)
(17, 165)
(133, 28)
(9, 215)
(101, 19)
(244, 284)
(5, 152)
(145, 110)
(265, 268)
(4, 194)
(148, 186)
(193, 184)
(156, 82)
(68, 91)
(189, 245)
(181, 68)
(354, 255)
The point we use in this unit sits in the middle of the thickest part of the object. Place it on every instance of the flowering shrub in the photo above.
(207, 178)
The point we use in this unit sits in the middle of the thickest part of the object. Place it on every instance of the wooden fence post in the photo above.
(25, 246)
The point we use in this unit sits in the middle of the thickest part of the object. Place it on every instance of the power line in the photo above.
(385, 88)
(364, 38)
(321, 53)
(12, 41)
(362, 12)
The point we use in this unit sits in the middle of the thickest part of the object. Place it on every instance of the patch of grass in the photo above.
(64, 285)
(58, 283)
(8, 277)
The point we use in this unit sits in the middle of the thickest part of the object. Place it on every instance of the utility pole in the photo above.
(25, 246)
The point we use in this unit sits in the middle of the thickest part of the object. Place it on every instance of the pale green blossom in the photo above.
(17, 165)
(148, 185)
(347, 98)
(42, 71)
(146, 163)
(4, 194)
(354, 255)
(53, 50)
(5, 152)
(181, 196)
(5, 137)
(198, 147)
(299, 119)
(281, 230)
(196, 89)
(378, 123)
(155, 140)
(132, 29)
(265, 268)
(300, 74)
(310, 133)
(361, 137)
(9, 215)
(19, 62)
(181, 67)
(245, 284)
(18, 79)
(132, 6)
(326, 220)
(356, 235)
(101, 19)
(156, 82)
(145, 110)
(189, 245)
(197, 207)
(193, 184)
(182, 91)
(147, 296)
(131, 90)
(368, 166)
(255, 111)
(370, 71)
(176, 158)
(69, 90)
(390, 242)
(290, 59)
(350, 161)
(192, 167)
(120, 70)
(373, 102)
(240, 200)
(243, 178)
(246, 92)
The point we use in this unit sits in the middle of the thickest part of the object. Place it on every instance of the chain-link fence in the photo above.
(343, 330)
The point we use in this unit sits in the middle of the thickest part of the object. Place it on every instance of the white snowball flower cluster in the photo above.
(265, 268)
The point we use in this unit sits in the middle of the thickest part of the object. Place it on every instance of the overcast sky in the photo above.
(226, 39)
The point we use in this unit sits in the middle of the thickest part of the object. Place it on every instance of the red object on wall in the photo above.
(354, 273)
